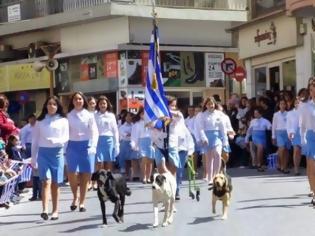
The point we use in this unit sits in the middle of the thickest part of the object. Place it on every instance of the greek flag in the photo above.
(155, 103)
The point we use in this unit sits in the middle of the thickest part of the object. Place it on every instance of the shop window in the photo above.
(260, 80)
(262, 7)
(289, 75)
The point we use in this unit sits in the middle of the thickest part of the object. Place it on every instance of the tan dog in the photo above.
(221, 190)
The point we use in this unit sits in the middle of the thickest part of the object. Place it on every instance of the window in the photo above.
(262, 7)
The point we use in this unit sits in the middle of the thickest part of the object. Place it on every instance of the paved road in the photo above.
(262, 204)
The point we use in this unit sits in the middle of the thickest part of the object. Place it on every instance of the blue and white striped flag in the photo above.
(155, 103)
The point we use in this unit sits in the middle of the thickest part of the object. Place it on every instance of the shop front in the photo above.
(268, 48)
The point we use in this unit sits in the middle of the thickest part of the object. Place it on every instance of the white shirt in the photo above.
(292, 121)
(83, 127)
(260, 124)
(190, 124)
(185, 140)
(52, 131)
(307, 121)
(125, 131)
(26, 134)
(139, 130)
(212, 121)
(279, 122)
(227, 122)
(197, 126)
(107, 125)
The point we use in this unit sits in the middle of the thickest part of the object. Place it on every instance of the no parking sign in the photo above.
(228, 66)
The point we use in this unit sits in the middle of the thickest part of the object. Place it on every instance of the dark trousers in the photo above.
(37, 187)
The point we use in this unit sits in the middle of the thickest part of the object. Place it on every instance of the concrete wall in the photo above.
(187, 32)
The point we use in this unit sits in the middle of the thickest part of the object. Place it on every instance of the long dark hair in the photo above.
(71, 106)
(137, 117)
(104, 98)
(45, 111)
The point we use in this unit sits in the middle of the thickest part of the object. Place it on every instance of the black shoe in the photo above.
(177, 197)
(32, 199)
(44, 216)
(82, 209)
(54, 218)
(73, 207)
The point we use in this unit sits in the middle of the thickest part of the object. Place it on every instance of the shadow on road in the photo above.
(201, 220)
(136, 227)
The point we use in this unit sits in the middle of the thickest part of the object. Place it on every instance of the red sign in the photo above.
(239, 74)
(228, 66)
(110, 61)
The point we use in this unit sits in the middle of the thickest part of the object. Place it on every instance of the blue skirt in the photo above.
(51, 164)
(105, 149)
(125, 150)
(282, 139)
(310, 144)
(145, 148)
(214, 138)
(173, 156)
(259, 137)
(296, 141)
(77, 157)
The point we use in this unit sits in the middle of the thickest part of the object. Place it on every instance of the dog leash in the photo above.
(192, 179)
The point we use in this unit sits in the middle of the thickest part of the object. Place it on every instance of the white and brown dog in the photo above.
(221, 190)
(163, 190)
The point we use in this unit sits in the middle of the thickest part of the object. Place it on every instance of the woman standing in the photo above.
(280, 135)
(81, 148)
(108, 140)
(50, 134)
(142, 143)
(257, 130)
(293, 130)
(308, 135)
(213, 136)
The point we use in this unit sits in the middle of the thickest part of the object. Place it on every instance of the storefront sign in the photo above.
(269, 36)
(22, 77)
(213, 70)
(131, 99)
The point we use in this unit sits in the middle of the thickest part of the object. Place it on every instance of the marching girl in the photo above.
(213, 136)
(50, 134)
(166, 139)
(142, 143)
(81, 149)
(125, 153)
(280, 135)
(257, 130)
(293, 130)
(108, 140)
(308, 135)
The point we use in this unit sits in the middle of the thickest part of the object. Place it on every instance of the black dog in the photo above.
(113, 187)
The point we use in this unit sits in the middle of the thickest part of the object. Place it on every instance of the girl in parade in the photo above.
(81, 149)
(108, 140)
(308, 135)
(142, 143)
(126, 153)
(166, 138)
(257, 130)
(50, 134)
(280, 135)
(293, 130)
(213, 136)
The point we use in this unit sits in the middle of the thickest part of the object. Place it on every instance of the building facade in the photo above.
(104, 48)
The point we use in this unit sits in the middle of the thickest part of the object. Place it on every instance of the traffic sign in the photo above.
(23, 97)
(239, 74)
(228, 66)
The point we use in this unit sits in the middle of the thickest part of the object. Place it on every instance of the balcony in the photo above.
(301, 8)
(17, 10)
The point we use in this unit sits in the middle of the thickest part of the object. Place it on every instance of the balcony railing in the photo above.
(14, 10)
